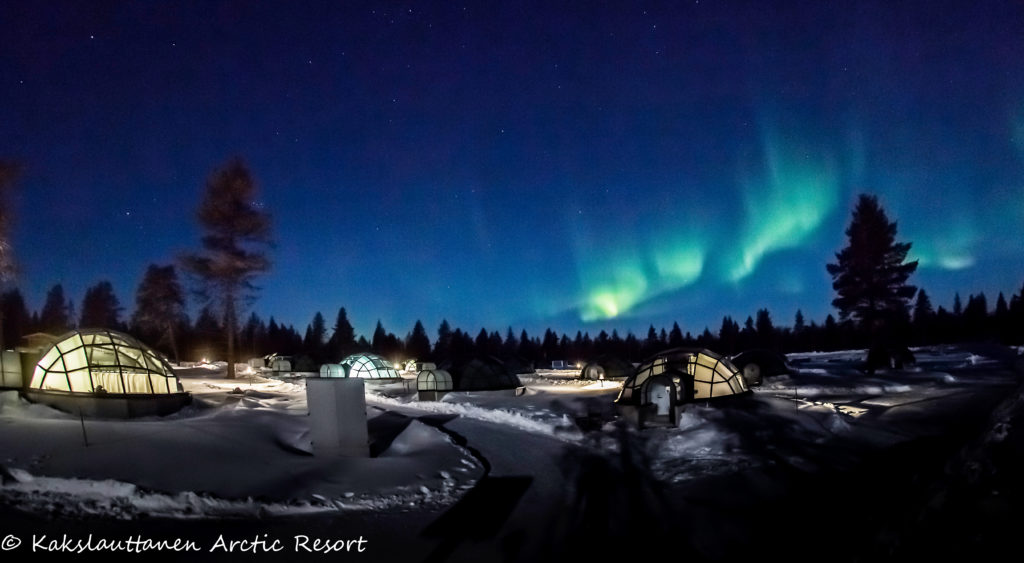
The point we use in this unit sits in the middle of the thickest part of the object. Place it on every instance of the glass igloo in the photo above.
(103, 361)
(432, 384)
(370, 366)
(105, 373)
(655, 390)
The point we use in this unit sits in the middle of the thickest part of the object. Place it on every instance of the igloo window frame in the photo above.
(358, 364)
(99, 361)
(713, 376)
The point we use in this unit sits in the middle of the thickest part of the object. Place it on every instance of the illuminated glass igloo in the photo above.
(105, 373)
(674, 377)
(370, 366)
(432, 384)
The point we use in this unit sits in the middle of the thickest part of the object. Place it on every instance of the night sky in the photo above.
(520, 164)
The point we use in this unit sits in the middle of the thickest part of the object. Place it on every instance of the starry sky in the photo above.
(527, 164)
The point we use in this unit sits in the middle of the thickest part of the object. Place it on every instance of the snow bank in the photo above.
(71, 497)
(561, 427)
(12, 405)
(416, 438)
(787, 386)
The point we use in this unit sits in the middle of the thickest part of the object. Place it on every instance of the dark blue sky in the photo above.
(524, 164)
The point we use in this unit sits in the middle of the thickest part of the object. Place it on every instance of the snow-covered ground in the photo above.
(241, 449)
(544, 462)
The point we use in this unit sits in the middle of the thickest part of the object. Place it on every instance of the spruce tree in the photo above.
(417, 345)
(1001, 319)
(923, 318)
(379, 340)
(316, 339)
(442, 348)
(798, 322)
(728, 335)
(510, 347)
(765, 329)
(675, 337)
(343, 340)
(159, 306)
(236, 237)
(206, 332)
(922, 308)
(870, 274)
(8, 174)
(55, 317)
(650, 345)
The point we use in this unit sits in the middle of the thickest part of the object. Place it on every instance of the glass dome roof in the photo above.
(103, 361)
(370, 366)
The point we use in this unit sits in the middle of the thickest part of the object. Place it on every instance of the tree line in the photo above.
(159, 319)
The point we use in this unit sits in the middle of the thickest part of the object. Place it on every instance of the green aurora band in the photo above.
(783, 205)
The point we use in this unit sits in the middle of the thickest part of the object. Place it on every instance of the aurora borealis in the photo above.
(521, 164)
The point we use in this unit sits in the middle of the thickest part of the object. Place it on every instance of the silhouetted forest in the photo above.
(204, 337)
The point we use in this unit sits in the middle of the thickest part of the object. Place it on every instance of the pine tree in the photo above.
(481, 340)
(101, 308)
(316, 339)
(549, 346)
(388, 345)
(234, 246)
(748, 336)
(565, 347)
(379, 342)
(510, 347)
(830, 333)
(55, 316)
(923, 318)
(870, 274)
(442, 348)
(254, 336)
(975, 318)
(798, 323)
(274, 343)
(207, 332)
(650, 344)
(417, 345)
(8, 175)
(675, 337)
(922, 308)
(461, 346)
(728, 335)
(343, 339)
(1015, 318)
(765, 329)
(1001, 319)
(527, 350)
(159, 305)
